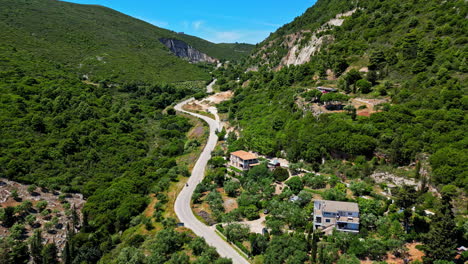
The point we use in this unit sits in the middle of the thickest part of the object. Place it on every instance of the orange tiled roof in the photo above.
(244, 155)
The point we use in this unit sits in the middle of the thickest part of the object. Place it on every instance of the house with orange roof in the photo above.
(243, 160)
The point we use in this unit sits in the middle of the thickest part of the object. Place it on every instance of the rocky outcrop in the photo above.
(303, 45)
(185, 51)
(300, 54)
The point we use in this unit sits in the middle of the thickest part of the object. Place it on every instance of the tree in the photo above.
(231, 188)
(130, 255)
(449, 190)
(251, 212)
(315, 181)
(287, 249)
(198, 245)
(352, 77)
(295, 184)
(360, 188)
(364, 86)
(405, 196)
(217, 162)
(32, 188)
(14, 194)
(348, 259)
(304, 197)
(18, 252)
(35, 245)
(280, 174)
(372, 77)
(440, 243)
(49, 254)
(350, 110)
(67, 253)
(236, 232)
(259, 244)
(177, 258)
(41, 205)
(8, 216)
(334, 194)
(376, 59)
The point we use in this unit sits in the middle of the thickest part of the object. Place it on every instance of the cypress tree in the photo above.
(440, 242)
(36, 246)
(49, 254)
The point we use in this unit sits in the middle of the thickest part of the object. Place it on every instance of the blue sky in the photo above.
(217, 21)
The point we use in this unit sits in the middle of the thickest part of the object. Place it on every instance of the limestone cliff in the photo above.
(298, 47)
(183, 50)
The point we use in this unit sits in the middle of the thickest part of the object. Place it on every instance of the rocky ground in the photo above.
(59, 205)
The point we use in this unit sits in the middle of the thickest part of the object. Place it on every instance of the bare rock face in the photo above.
(183, 50)
(303, 45)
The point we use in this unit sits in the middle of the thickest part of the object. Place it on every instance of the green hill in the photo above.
(109, 139)
(412, 54)
(222, 51)
(102, 43)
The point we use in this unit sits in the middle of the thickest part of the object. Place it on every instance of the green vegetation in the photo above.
(414, 57)
(385, 227)
(113, 144)
(221, 51)
(84, 107)
(118, 48)
(427, 111)
(107, 137)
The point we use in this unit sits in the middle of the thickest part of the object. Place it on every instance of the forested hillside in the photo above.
(102, 44)
(222, 51)
(372, 109)
(111, 137)
(412, 54)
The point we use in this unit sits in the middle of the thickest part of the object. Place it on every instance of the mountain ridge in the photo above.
(99, 42)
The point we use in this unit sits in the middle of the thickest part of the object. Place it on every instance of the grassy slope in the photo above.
(418, 51)
(98, 41)
(226, 51)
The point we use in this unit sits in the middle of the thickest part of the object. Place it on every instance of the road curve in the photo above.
(209, 88)
(182, 204)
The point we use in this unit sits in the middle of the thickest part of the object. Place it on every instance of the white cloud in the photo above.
(157, 23)
(228, 36)
(197, 24)
(160, 23)
(249, 36)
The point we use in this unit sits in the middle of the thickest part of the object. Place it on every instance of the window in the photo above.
(350, 213)
(327, 220)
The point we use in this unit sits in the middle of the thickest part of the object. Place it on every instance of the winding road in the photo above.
(182, 204)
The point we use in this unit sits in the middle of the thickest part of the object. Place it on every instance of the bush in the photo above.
(295, 184)
(334, 194)
(360, 188)
(364, 86)
(315, 181)
(280, 174)
(236, 232)
(251, 212)
(231, 188)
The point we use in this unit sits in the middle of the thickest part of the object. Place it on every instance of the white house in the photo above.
(243, 160)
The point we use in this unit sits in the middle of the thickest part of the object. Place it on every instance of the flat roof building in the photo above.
(342, 216)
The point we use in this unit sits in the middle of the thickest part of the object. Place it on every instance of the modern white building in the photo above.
(342, 216)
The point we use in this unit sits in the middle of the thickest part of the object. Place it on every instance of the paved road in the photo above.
(182, 203)
(209, 88)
